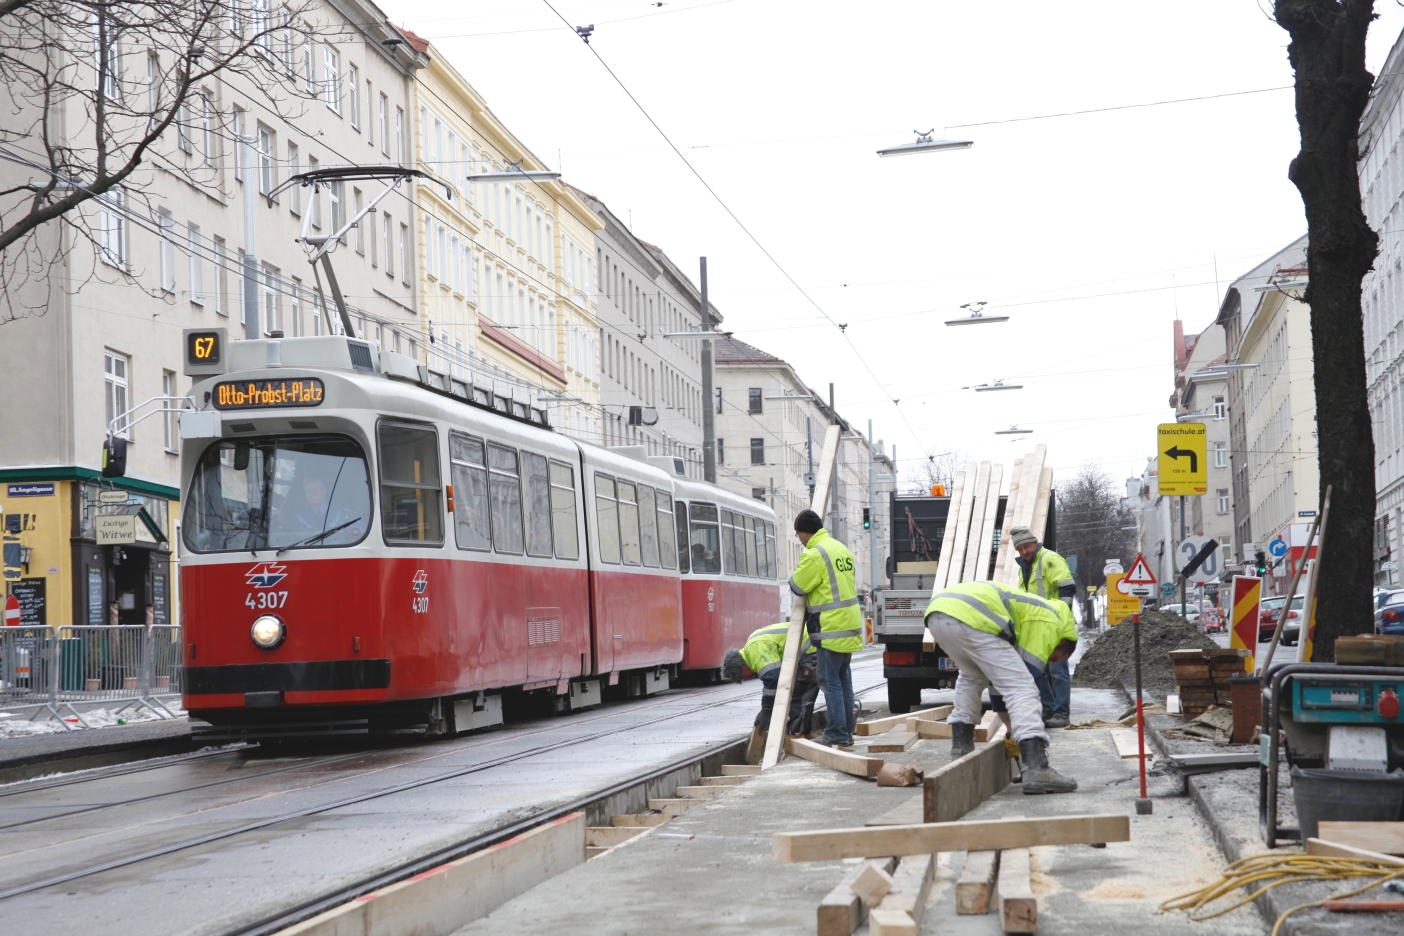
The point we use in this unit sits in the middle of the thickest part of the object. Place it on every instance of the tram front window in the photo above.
(289, 492)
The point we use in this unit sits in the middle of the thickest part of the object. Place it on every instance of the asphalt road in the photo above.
(216, 887)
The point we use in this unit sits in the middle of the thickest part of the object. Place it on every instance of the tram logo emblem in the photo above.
(266, 574)
(711, 594)
(420, 581)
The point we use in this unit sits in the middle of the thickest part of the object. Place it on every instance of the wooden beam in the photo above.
(1045, 489)
(639, 819)
(980, 558)
(875, 726)
(977, 879)
(1002, 557)
(929, 838)
(966, 782)
(1018, 908)
(824, 477)
(841, 912)
(855, 764)
(1384, 837)
(910, 886)
(963, 510)
(890, 923)
(938, 713)
(931, 729)
(971, 568)
(943, 565)
(785, 686)
(990, 722)
(740, 770)
(871, 885)
(894, 742)
(1316, 846)
(1128, 745)
(1028, 496)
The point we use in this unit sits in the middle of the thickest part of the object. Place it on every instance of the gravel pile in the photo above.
(1110, 662)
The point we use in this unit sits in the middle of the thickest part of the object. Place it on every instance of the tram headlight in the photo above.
(268, 631)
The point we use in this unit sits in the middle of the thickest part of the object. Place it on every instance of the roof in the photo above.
(417, 42)
(732, 351)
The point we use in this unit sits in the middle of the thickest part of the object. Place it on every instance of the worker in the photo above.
(1044, 573)
(991, 631)
(761, 656)
(824, 578)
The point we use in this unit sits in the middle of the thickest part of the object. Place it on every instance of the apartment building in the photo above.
(1201, 395)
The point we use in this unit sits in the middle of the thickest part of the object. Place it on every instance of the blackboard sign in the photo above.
(158, 599)
(32, 601)
(95, 602)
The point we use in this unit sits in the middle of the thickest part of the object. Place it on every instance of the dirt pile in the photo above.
(1110, 662)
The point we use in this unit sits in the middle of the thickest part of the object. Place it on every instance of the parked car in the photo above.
(1214, 619)
(1189, 612)
(1389, 617)
(1270, 611)
(1384, 596)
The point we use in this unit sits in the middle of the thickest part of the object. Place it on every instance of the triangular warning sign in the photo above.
(1140, 573)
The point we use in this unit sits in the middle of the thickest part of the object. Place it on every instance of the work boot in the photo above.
(1037, 776)
(1056, 721)
(962, 739)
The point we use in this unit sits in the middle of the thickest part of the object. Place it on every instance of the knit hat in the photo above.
(731, 665)
(1020, 535)
(808, 522)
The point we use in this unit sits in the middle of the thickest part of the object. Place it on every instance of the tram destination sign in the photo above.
(266, 394)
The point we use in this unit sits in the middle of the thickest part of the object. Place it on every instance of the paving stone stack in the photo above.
(1201, 677)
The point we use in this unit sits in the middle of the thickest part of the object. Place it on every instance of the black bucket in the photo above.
(1345, 796)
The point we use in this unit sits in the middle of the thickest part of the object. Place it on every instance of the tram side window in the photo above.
(770, 549)
(629, 523)
(506, 492)
(472, 528)
(607, 518)
(728, 538)
(538, 491)
(762, 561)
(648, 526)
(680, 514)
(563, 511)
(705, 542)
(746, 530)
(667, 548)
(410, 492)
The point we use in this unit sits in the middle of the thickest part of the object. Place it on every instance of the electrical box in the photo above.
(1357, 747)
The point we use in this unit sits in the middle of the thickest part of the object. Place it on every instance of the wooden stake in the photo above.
(976, 880)
(1018, 908)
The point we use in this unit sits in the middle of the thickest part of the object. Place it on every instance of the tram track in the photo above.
(341, 803)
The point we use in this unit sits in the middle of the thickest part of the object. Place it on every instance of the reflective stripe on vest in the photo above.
(1006, 628)
(770, 667)
(1032, 659)
(834, 592)
(835, 635)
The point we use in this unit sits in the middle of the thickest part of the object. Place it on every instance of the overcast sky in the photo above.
(1091, 232)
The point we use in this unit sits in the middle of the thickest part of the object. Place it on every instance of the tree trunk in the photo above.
(1327, 53)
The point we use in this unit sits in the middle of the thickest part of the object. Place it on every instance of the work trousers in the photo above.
(836, 679)
(802, 700)
(1054, 688)
(988, 661)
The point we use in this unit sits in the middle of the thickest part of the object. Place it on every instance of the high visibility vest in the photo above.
(765, 648)
(1047, 573)
(825, 577)
(1033, 626)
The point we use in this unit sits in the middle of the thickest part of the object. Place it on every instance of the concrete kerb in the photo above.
(26, 758)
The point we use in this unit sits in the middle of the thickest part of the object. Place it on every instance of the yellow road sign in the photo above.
(1181, 452)
(1119, 603)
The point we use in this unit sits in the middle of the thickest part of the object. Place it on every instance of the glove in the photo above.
(1011, 748)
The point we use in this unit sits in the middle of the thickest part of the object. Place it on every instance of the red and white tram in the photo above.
(369, 545)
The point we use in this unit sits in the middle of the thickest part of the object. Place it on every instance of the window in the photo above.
(1220, 408)
(353, 92)
(197, 264)
(770, 558)
(168, 420)
(538, 503)
(267, 178)
(209, 143)
(307, 67)
(335, 197)
(756, 401)
(1223, 500)
(114, 227)
(410, 507)
(295, 307)
(115, 368)
(221, 275)
(258, 22)
(182, 125)
(471, 512)
(719, 400)
(167, 249)
(721, 452)
(331, 77)
(758, 451)
(728, 541)
(667, 542)
(404, 253)
(429, 252)
(356, 209)
(294, 193)
(1220, 454)
(400, 134)
(758, 493)
(153, 85)
(506, 493)
(314, 198)
(271, 319)
(680, 516)
(238, 144)
(107, 55)
(387, 229)
(607, 519)
(648, 526)
(629, 545)
(746, 534)
(563, 520)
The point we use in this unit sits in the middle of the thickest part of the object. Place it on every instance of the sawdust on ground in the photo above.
(1110, 662)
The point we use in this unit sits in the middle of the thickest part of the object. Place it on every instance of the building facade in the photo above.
(101, 343)
(1201, 395)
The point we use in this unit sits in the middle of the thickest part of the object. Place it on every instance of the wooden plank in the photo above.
(1316, 846)
(673, 807)
(1384, 837)
(1188, 654)
(871, 885)
(740, 770)
(894, 742)
(1018, 908)
(1045, 489)
(1128, 745)
(639, 819)
(979, 567)
(907, 812)
(966, 782)
(824, 477)
(841, 912)
(876, 726)
(973, 569)
(963, 510)
(722, 781)
(700, 792)
(1028, 497)
(977, 879)
(932, 729)
(609, 836)
(929, 838)
(890, 923)
(989, 724)
(910, 885)
(1002, 557)
(855, 764)
(775, 736)
(943, 565)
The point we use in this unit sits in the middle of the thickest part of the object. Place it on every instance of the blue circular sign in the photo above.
(1277, 548)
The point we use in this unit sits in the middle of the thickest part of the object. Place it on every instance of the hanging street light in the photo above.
(996, 385)
(977, 316)
(1013, 430)
(924, 144)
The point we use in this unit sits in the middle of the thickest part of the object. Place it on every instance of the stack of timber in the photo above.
(600, 839)
(968, 549)
(1201, 677)
(1370, 650)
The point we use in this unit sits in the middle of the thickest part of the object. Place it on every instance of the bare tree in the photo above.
(1092, 521)
(1327, 53)
(935, 469)
(96, 92)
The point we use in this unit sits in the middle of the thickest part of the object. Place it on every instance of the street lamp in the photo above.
(698, 334)
(977, 316)
(1013, 430)
(924, 144)
(997, 385)
(515, 175)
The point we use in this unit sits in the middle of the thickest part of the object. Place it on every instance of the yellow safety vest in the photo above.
(1033, 626)
(1048, 573)
(765, 648)
(825, 577)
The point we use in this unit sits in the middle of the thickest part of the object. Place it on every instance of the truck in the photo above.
(911, 660)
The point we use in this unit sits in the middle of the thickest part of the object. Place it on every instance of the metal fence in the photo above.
(51, 669)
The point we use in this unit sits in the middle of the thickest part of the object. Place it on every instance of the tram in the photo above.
(371, 545)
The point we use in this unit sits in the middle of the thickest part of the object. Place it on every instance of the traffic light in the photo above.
(1260, 558)
(867, 518)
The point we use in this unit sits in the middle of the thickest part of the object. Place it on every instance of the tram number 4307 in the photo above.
(420, 605)
(266, 599)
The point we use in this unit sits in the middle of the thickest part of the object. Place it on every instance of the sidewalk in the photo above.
(710, 871)
(83, 749)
